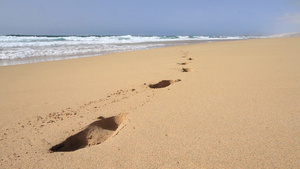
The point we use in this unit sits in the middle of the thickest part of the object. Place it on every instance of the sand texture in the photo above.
(232, 104)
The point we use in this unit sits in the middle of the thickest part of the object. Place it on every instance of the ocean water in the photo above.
(22, 49)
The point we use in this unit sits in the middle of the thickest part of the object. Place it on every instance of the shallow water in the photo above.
(21, 49)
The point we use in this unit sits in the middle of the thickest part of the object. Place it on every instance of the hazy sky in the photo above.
(149, 17)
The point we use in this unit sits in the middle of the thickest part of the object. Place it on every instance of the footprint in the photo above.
(186, 69)
(163, 83)
(184, 63)
(95, 133)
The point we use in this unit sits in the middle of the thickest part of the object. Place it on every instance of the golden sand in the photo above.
(238, 108)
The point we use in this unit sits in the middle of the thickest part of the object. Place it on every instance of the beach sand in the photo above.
(237, 105)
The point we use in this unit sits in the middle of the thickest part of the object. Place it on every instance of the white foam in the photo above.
(16, 47)
(22, 41)
(23, 52)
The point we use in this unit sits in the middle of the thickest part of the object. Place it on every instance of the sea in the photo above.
(24, 49)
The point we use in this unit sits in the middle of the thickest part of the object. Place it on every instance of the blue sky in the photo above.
(149, 17)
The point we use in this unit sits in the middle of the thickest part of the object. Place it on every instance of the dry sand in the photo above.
(238, 108)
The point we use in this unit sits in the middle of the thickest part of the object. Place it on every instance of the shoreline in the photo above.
(233, 104)
(37, 59)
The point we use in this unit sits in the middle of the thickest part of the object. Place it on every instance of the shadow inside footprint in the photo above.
(186, 69)
(163, 83)
(184, 63)
(95, 133)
